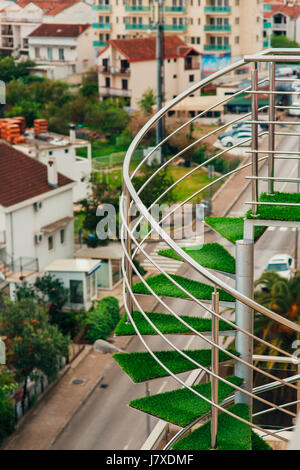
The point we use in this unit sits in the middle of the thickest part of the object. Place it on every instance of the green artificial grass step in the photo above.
(211, 255)
(278, 212)
(181, 407)
(232, 434)
(231, 228)
(141, 366)
(165, 288)
(167, 324)
(258, 443)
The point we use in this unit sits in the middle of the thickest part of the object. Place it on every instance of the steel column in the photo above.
(272, 119)
(128, 267)
(254, 144)
(244, 317)
(215, 369)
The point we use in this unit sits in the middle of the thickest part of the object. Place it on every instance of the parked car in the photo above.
(282, 264)
(230, 141)
(236, 130)
(295, 111)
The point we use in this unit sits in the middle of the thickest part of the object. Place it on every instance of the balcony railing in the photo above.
(279, 26)
(137, 9)
(267, 25)
(101, 7)
(175, 27)
(114, 70)
(143, 27)
(217, 27)
(115, 92)
(217, 47)
(174, 9)
(217, 9)
(102, 25)
(99, 44)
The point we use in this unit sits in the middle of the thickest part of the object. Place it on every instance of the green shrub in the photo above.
(103, 319)
(7, 416)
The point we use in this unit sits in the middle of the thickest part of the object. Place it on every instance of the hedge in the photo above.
(103, 319)
(278, 212)
(232, 228)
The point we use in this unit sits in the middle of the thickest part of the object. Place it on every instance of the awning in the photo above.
(59, 224)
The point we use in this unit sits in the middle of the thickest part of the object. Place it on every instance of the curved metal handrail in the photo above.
(133, 198)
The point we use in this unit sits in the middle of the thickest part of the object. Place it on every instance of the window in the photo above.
(50, 243)
(191, 78)
(124, 84)
(50, 53)
(66, 150)
(61, 54)
(76, 292)
(62, 237)
(37, 53)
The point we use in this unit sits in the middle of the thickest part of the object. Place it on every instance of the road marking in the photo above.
(271, 229)
(162, 387)
(283, 229)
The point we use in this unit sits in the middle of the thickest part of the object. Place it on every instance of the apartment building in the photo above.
(222, 30)
(281, 19)
(19, 19)
(36, 214)
(62, 51)
(127, 68)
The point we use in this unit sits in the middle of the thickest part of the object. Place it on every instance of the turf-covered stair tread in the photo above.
(167, 324)
(258, 443)
(141, 366)
(231, 228)
(211, 255)
(266, 212)
(232, 434)
(165, 288)
(181, 407)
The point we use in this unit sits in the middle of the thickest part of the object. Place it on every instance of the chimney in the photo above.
(52, 172)
(72, 133)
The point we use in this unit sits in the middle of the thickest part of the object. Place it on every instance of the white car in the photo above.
(295, 111)
(283, 265)
(240, 137)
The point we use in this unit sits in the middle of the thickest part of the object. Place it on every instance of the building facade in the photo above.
(222, 30)
(281, 19)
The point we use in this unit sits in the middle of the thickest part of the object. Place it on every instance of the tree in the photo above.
(32, 343)
(7, 416)
(147, 101)
(281, 41)
(283, 297)
(10, 70)
(160, 183)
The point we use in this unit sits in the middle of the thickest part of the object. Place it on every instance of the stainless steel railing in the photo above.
(132, 247)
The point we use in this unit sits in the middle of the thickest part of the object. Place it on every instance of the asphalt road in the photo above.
(106, 422)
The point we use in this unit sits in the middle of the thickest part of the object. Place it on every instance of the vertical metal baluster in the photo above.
(254, 145)
(215, 369)
(128, 267)
(272, 118)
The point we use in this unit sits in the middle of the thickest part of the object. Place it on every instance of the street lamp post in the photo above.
(159, 21)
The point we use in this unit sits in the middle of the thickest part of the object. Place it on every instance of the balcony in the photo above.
(218, 10)
(101, 7)
(99, 44)
(279, 26)
(143, 27)
(119, 92)
(114, 70)
(217, 47)
(175, 9)
(175, 27)
(102, 26)
(266, 44)
(267, 25)
(217, 28)
(137, 9)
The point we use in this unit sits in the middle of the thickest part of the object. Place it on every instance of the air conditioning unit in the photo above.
(37, 206)
(38, 238)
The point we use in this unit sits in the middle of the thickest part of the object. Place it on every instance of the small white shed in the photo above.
(79, 276)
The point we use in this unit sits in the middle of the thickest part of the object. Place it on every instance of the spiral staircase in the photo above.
(218, 413)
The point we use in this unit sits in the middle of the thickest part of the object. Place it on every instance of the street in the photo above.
(105, 421)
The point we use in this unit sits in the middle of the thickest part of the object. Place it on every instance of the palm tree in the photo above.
(282, 296)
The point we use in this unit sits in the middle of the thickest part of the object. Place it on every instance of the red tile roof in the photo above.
(140, 49)
(50, 7)
(22, 177)
(291, 11)
(59, 30)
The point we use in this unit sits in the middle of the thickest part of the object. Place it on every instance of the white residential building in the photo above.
(63, 149)
(127, 67)
(19, 19)
(280, 19)
(62, 51)
(36, 215)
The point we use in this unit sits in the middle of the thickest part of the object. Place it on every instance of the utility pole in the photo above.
(159, 21)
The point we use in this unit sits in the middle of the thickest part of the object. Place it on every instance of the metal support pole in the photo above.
(297, 229)
(244, 317)
(148, 427)
(272, 119)
(254, 144)
(160, 69)
(128, 267)
(215, 369)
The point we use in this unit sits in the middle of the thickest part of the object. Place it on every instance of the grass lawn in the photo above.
(231, 228)
(181, 407)
(211, 255)
(191, 184)
(232, 434)
(165, 288)
(278, 212)
(141, 366)
(166, 324)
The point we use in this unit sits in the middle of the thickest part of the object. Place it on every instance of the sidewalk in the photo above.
(44, 423)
